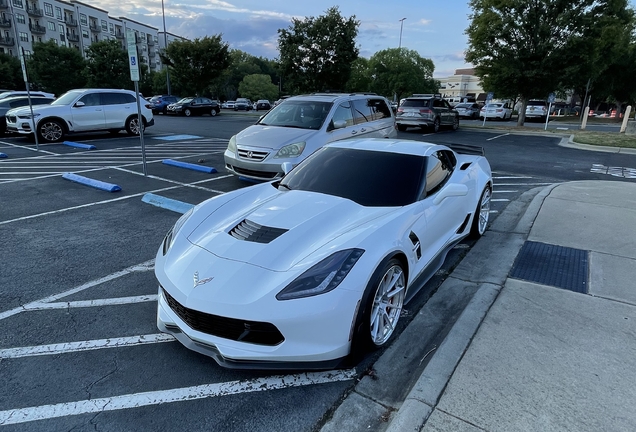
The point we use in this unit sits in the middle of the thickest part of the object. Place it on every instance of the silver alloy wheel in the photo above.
(51, 131)
(436, 125)
(134, 125)
(187, 112)
(455, 123)
(484, 211)
(387, 305)
(213, 112)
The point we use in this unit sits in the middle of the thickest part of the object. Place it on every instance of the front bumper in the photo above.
(19, 125)
(253, 169)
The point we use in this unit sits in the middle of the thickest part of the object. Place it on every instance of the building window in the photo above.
(61, 28)
(104, 26)
(48, 9)
(20, 18)
(18, 4)
(83, 20)
(24, 37)
(143, 36)
(54, 40)
(51, 26)
(111, 28)
(85, 34)
(58, 13)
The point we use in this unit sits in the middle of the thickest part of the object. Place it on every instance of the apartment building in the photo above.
(74, 24)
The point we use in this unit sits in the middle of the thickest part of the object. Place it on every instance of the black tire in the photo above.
(213, 112)
(363, 338)
(401, 128)
(187, 112)
(480, 221)
(50, 130)
(436, 125)
(113, 131)
(455, 123)
(165, 110)
(132, 125)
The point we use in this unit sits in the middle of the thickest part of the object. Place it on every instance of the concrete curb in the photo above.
(97, 184)
(424, 395)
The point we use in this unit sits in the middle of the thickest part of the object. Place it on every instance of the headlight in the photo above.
(167, 242)
(322, 277)
(291, 150)
(28, 116)
(231, 146)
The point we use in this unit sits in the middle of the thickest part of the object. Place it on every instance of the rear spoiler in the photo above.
(467, 149)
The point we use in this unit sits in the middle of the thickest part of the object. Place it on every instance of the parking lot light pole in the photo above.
(401, 27)
(165, 42)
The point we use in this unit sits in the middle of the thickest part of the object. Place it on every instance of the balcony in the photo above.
(70, 22)
(151, 42)
(72, 37)
(37, 29)
(151, 54)
(119, 35)
(7, 41)
(95, 28)
(4, 4)
(5, 23)
(34, 11)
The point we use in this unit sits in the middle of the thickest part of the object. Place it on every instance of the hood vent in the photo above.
(253, 232)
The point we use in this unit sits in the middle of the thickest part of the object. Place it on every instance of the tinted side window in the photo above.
(128, 98)
(437, 172)
(91, 99)
(206, 101)
(112, 99)
(380, 109)
(362, 112)
(20, 103)
(41, 101)
(438, 103)
(343, 112)
(446, 104)
(415, 103)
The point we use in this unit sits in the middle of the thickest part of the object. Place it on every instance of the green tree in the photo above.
(10, 73)
(401, 71)
(107, 65)
(360, 79)
(56, 69)
(316, 54)
(197, 64)
(258, 86)
(530, 49)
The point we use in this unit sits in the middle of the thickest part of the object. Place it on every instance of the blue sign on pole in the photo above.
(551, 98)
(133, 61)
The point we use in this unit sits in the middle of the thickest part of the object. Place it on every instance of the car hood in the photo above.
(299, 222)
(272, 137)
(36, 109)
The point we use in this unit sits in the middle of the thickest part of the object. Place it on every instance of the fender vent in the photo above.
(465, 165)
(462, 227)
(416, 244)
(253, 232)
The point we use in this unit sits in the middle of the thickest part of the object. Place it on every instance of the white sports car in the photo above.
(313, 269)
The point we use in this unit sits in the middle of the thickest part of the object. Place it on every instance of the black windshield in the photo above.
(370, 178)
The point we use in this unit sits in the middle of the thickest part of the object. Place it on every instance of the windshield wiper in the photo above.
(284, 186)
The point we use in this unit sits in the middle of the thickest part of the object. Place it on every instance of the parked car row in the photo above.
(10, 103)
(190, 106)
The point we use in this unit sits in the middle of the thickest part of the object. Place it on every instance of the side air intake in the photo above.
(416, 245)
(253, 232)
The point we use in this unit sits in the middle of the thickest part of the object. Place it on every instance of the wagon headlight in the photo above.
(231, 146)
(167, 242)
(291, 150)
(322, 277)
(28, 116)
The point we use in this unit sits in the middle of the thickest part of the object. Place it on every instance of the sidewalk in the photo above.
(557, 348)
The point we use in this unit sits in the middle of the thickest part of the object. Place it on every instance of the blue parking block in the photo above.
(191, 166)
(78, 145)
(98, 184)
(167, 203)
(250, 180)
(3, 155)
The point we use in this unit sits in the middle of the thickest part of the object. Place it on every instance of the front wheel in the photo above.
(213, 112)
(482, 214)
(380, 308)
(436, 125)
(187, 112)
(455, 123)
(50, 131)
(132, 126)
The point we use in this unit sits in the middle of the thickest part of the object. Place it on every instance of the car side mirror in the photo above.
(451, 190)
(339, 124)
(79, 104)
(286, 167)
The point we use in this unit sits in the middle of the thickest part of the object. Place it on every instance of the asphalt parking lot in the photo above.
(80, 349)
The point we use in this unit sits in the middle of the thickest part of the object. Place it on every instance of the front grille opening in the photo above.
(259, 333)
(253, 232)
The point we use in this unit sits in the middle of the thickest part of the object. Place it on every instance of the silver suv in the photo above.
(537, 109)
(300, 125)
(426, 110)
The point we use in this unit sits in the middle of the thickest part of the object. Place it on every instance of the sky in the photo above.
(436, 30)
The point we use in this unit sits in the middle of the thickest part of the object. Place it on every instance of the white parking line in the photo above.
(504, 191)
(500, 200)
(145, 266)
(92, 303)
(511, 177)
(523, 184)
(89, 345)
(26, 148)
(135, 400)
(498, 136)
(171, 181)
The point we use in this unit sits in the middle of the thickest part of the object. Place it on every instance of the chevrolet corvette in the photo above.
(312, 270)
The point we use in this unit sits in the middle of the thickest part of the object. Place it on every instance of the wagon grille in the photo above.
(260, 333)
(253, 155)
(251, 231)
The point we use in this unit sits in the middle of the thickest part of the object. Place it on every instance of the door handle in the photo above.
(363, 130)
(353, 132)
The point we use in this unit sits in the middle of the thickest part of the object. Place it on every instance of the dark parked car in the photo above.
(242, 104)
(263, 105)
(18, 101)
(195, 106)
(160, 103)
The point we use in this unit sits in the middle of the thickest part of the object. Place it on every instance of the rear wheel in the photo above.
(50, 131)
(132, 125)
(380, 308)
(455, 123)
(436, 125)
(213, 112)
(482, 214)
(401, 128)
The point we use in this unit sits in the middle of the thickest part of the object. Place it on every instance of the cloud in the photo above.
(424, 21)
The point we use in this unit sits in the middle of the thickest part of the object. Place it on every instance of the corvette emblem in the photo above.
(198, 282)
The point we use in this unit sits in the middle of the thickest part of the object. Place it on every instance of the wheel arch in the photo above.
(135, 115)
(64, 123)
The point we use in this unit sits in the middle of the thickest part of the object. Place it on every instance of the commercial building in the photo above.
(464, 84)
(73, 24)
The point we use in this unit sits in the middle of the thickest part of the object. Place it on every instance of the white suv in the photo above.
(82, 110)
(300, 125)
